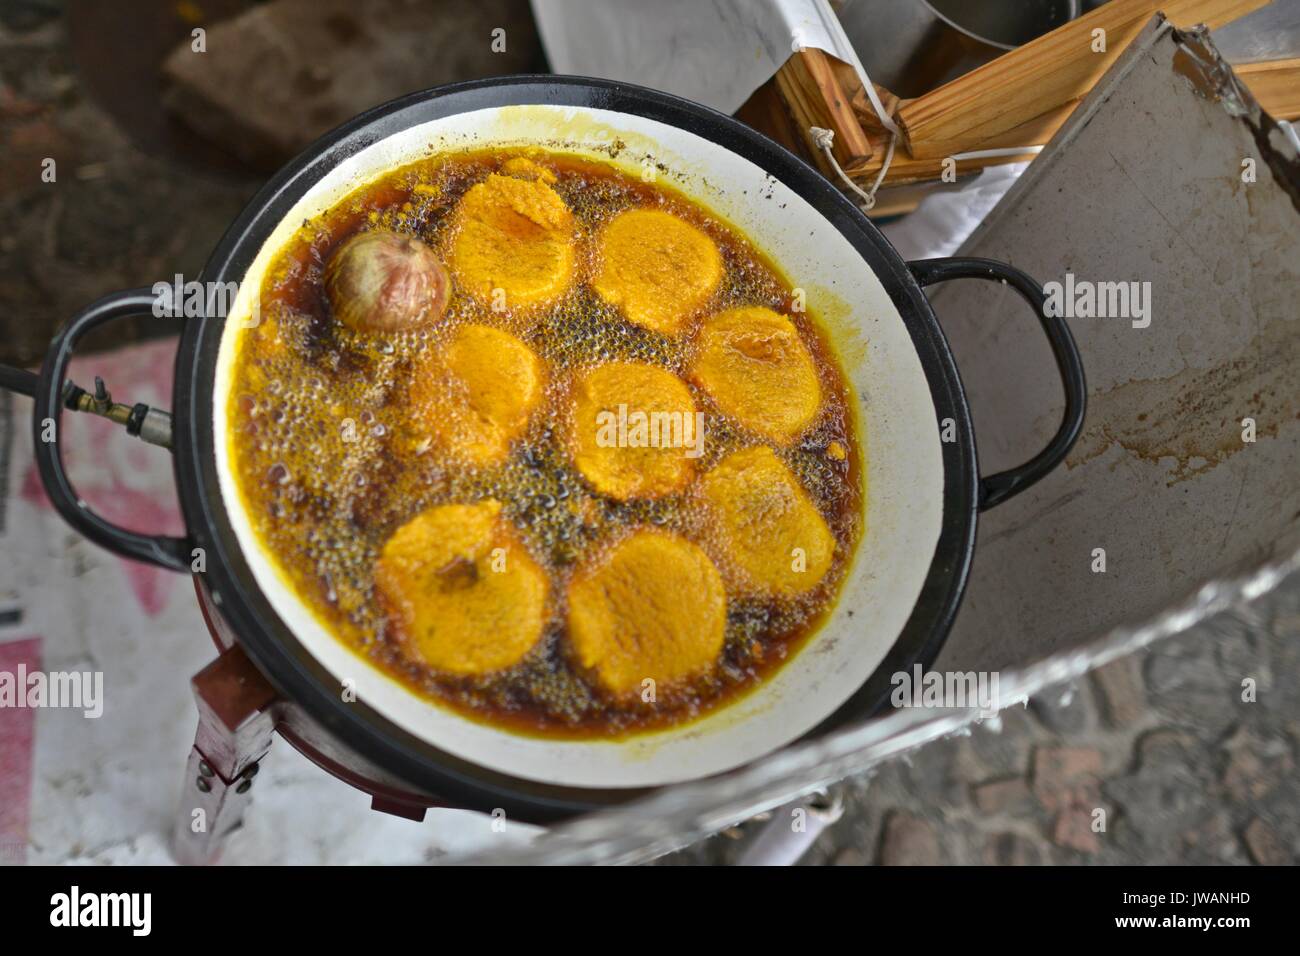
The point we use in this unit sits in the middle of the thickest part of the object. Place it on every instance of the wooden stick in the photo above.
(1043, 75)
(812, 91)
(906, 169)
(1276, 84)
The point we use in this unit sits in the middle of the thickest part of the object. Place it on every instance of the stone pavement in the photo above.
(1184, 770)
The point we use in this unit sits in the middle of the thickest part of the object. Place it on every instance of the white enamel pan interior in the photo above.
(896, 417)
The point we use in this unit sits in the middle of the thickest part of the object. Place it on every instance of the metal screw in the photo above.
(244, 787)
(202, 784)
(206, 769)
(252, 770)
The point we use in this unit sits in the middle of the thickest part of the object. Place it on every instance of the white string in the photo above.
(824, 139)
(886, 120)
(832, 24)
(884, 167)
(836, 28)
(995, 153)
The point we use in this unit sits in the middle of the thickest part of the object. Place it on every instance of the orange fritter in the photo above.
(753, 364)
(657, 268)
(770, 535)
(461, 590)
(515, 235)
(633, 461)
(652, 607)
(521, 167)
(471, 397)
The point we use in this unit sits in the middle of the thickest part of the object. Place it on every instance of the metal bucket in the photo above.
(914, 46)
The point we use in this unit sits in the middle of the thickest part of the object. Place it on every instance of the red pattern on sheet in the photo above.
(126, 481)
(17, 739)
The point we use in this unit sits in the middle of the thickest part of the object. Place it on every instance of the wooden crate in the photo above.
(1019, 99)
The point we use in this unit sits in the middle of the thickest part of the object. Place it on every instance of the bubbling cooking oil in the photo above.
(329, 466)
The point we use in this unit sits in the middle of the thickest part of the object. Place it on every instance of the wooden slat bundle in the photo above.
(1043, 75)
(1019, 99)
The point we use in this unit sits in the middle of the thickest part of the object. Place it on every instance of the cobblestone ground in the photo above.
(1184, 769)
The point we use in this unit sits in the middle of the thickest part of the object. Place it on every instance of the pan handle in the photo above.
(52, 395)
(998, 488)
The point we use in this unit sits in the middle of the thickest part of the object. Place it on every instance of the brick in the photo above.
(908, 841)
(280, 75)
(1011, 849)
(1001, 796)
(850, 856)
(1255, 766)
(1264, 846)
(1066, 776)
(1073, 830)
(1212, 841)
(1120, 691)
